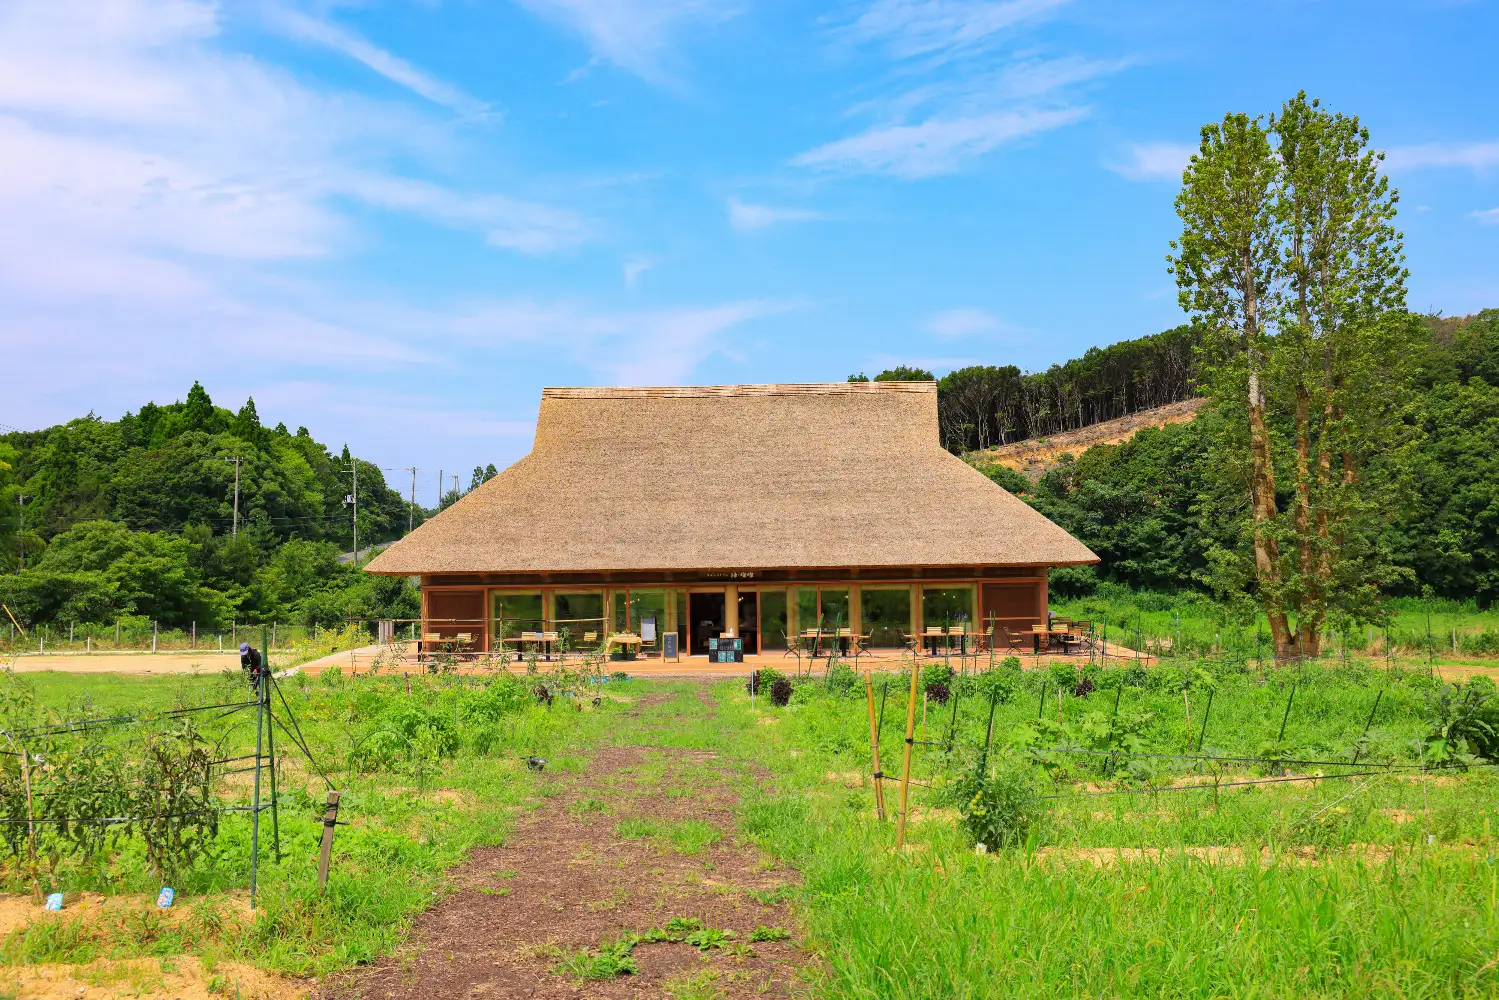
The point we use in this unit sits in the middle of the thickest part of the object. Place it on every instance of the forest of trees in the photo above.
(1154, 508)
(985, 405)
(135, 517)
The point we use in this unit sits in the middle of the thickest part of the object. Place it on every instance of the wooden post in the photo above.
(874, 749)
(36, 887)
(905, 767)
(325, 852)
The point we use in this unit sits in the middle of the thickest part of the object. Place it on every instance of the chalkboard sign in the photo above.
(669, 646)
(726, 650)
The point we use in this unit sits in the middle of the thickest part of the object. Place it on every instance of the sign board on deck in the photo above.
(669, 646)
(726, 650)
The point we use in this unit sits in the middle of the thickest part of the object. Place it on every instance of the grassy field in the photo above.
(1195, 625)
(1129, 862)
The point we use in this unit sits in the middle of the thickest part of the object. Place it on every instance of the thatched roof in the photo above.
(734, 477)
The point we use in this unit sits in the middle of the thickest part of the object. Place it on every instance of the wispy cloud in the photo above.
(1154, 161)
(1469, 155)
(747, 217)
(953, 324)
(935, 146)
(634, 267)
(943, 27)
(638, 36)
(299, 25)
(953, 98)
(1487, 216)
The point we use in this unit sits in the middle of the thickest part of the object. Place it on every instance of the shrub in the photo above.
(936, 673)
(999, 809)
(780, 692)
(938, 692)
(841, 678)
(763, 679)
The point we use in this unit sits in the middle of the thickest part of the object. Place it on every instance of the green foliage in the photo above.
(135, 517)
(998, 808)
(609, 960)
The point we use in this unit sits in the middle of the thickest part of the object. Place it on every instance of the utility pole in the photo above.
(234, 533)
(411, 511)
(439, 489)
(352, 499)
(21, 527)
(455, 484)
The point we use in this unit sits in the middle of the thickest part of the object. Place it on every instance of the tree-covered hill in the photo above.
(136, 517)
(1154, 513)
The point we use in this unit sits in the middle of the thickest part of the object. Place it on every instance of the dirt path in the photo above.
(639, 837)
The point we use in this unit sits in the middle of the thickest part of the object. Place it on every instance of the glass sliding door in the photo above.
(774, 623)
(642, 612)
(511, 614)
(947, 606)
(886, 615)
(835, 608)
(579, 617)
(806, 608)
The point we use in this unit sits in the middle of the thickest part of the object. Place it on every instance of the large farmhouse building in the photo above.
(752, 510)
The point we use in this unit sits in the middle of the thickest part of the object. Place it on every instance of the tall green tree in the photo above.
(1289, 258)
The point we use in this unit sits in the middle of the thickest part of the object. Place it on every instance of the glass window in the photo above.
(773, 619)
(835, 607)
(886, 615)
(946, 606)
(633, 609)
(513, 614)
(806, 608)
(681, 621)
(581, 616)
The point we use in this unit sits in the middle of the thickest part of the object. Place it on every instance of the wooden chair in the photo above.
(1014, 641)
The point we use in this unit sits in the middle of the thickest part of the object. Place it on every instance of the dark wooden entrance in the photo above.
(706, 613)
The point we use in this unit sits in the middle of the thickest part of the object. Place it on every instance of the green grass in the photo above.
(1198, 624)
(1385, 885)
(685, 836)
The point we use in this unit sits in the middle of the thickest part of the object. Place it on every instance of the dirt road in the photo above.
(642, 837)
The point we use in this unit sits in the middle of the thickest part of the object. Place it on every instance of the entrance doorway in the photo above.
(706, 612)
(749, 620)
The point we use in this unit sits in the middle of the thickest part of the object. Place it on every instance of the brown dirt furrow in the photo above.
(569, 878)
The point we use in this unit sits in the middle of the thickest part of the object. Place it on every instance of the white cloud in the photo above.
(935, 146)
(1154, 161)
(953, 324)
(1487, 216)
(634, 267)
(635, 35)
(747, 217)
(943, 27)
(388, 65)
(1470, 155)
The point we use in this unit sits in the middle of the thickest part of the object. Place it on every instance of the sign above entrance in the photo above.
(726, 649)
(745, 574)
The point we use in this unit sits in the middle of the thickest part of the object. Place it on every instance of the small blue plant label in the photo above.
(54, 901)
(165, 896)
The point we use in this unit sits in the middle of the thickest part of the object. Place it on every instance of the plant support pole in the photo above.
(905, 767)
(325, 852)
(1359, 748)
(1205, 713)
(1281, 735)
(255, 801)
(874, 749)
(270, 735)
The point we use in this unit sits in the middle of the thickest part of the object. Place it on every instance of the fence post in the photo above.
(874, 748)
(153, 637)
(325, 852)
(905, 767)
(193, 642)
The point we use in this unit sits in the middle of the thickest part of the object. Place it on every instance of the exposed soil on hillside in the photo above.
(1034, 456)
(641, 836)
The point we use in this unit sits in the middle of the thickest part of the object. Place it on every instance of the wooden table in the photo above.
(1037, 631)
(544, 639)
(629, 640)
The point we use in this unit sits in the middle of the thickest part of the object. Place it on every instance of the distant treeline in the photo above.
(985, 405)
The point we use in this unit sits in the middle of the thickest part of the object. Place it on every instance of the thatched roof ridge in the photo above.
(734, 477)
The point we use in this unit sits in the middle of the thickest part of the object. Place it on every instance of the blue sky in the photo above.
(394, 221)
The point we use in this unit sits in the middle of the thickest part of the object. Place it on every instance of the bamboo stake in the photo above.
(874, 749)
(36, 887)
(330, 820)
(905, 767)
